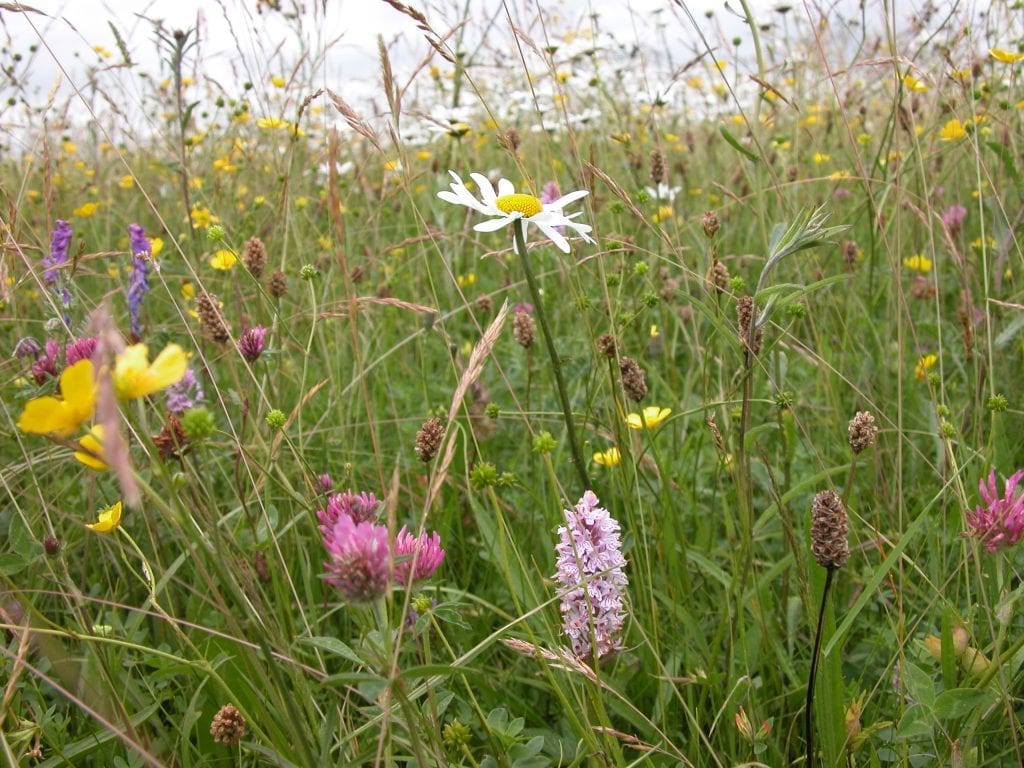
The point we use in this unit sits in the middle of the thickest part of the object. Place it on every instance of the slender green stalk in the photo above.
(809, 706)
(556, 364)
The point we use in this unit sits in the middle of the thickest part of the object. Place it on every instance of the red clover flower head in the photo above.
(953, 219)
(361, 555)
(80, 349)
(425, 550)
(250, 343)
(590, 558)
(999, 522)
(45, 365)
(361, 507)
(359, 559)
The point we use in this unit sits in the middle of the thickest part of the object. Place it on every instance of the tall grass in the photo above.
(830, 148)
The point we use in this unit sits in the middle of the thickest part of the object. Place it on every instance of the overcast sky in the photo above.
(72, 27)
(239, 44)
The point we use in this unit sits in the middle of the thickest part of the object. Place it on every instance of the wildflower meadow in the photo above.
(589, 384)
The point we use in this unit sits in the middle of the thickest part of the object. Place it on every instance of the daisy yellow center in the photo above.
(528, 205)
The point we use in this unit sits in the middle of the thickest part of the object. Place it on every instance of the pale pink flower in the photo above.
(590, 558)
(953, 219)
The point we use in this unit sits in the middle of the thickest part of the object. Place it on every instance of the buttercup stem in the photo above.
(563, 396)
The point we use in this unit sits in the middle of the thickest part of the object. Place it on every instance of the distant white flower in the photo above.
(507, 205)
(663, 192)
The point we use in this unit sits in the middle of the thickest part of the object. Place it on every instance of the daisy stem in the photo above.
(556, 365)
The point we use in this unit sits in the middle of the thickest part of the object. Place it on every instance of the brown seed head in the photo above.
(211, 317)
(658, 174)
(745, 317)
(606, 346)
(524, 329)
(634, 382)
(829, 542)
(709, 221)
(428, 439)
(172, 442)
(228, 726)
(720, 276)
(511, 139)
(278, 285)
(863, 431)
(254, 256)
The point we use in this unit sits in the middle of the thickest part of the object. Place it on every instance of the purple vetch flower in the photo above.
(138, 287)
(45, 365)
(184, 394)
(361, 507)
(953, 219)
(250, 343)
(359, 561)
(79, 349)
(423, 555)
(60, 239)
(999, 523)
(26, 347)
(590, 557)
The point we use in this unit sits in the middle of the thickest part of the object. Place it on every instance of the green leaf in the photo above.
(11, 564)
(960, 702)
(735, 144)
(335, 647)
(920, 685)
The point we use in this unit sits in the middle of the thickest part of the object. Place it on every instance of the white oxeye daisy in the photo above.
(508, 206)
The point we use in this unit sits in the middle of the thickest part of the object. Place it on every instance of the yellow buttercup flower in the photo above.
(202, 218)
(1007, 57)
(108, 519)
(62, 416)
(952, 131)
(92, 445)
(86, 210)
(911, 83)
(156, 244)
(649, 418)
(134, 376)
(609, 458)
(924, 364)
(223, 260)
(126, 182)
(271, 123)
(918, 263)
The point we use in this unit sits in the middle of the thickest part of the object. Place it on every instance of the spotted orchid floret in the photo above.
(506, 206)
(590, 572)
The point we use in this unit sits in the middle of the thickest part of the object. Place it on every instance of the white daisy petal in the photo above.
(549, 218)
(492, 225)
(564, 200)
(560, 242)
(486, 188)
